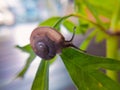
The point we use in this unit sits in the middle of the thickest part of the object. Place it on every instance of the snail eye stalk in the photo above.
(74, 30)
(70, 44)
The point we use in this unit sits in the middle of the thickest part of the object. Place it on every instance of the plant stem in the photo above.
(112, 52)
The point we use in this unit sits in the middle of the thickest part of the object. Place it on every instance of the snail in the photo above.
(46, 42)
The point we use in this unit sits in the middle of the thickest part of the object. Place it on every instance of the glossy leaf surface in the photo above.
(85, 71)
(41, 81)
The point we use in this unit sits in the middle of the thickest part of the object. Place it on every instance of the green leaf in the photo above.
(105, 81)
(26, 48)
(91, 82)
(42, 77)
(82, 28)
(93, 11)
(53, 60)
(90, 62)
(81, 79)
(105, 8)
(54, 22)
(24, 70)
(78, 6)
(49, 22)
(31, 57)
(83, 67)
(61, 20)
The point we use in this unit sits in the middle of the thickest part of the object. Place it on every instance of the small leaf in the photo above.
(69, 25)
(61, 20)
(82, 28)
(31, 57)
(81, 66)
(49, 22)
(26, 48)
(24, 70)
(42, 77)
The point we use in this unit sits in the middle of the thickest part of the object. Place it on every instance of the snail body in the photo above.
(46, 42)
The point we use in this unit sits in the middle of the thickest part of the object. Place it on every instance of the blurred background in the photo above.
(17, 20)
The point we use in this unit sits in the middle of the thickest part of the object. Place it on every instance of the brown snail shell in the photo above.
(46, 42)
